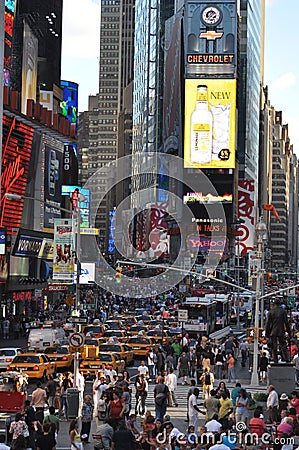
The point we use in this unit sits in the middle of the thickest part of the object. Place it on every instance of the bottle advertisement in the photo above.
(210, 124)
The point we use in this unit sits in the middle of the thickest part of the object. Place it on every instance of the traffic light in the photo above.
(118, 275)
(269, 277)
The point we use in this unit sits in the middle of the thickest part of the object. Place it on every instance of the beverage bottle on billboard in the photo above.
(201, 128)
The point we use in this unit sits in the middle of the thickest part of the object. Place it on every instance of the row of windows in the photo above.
(108, 62)
(107, 143)
(108, 33)
(108, 112)
(107, 121)
(106, 26)
(107, 18)
(111, 2)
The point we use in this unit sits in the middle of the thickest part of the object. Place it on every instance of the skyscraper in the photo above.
(115, 73)
(250, 77)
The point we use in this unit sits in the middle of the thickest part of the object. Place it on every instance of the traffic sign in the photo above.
(78, 320)
(255, 332)
(77, 340)
(183, 315)
(76, 349)
(291, 301)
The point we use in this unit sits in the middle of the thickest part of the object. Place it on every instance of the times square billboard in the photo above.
(211, 38)
(210, 123)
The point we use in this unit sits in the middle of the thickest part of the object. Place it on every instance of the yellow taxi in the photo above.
(92, 366)
(94, 331)
(119, 334)
(160, 336)
(60, 356)
(35, 365)
(135, 329)
(140, 345)
(122, 350)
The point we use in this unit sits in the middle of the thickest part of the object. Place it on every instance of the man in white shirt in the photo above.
(171, 382)
(272, 404)
(213, 426)
(151, 360)
(143, 369)
(193, 409)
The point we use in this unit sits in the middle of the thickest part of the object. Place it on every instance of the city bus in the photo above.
(201, 315)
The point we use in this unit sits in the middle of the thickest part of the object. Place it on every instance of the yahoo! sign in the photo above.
(203, 243)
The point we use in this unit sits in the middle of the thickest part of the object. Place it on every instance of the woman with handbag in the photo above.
(86, 418)
(102, 409)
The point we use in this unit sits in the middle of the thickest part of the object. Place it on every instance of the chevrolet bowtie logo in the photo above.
(210, 35)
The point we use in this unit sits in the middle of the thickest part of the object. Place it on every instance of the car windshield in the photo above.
(91, 342)
(7, 352)
(105, 357)
(58, 350)
(26, 359)
(111, 348)
(92, 330)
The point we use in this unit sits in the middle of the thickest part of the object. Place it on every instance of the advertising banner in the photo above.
(64, 250)
(69, 105)
(210, 37)
(52, 185)
(9, 16)
(16, 154)
(210, 124)
(84, 203)
(245, 241)
(29, 66)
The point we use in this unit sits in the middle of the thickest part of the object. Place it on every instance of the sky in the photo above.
(80, 53)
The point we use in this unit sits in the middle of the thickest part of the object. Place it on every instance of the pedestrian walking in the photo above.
(272, 404)
(171, 383)
(46, 440)
(218, 364)
(193, 408)
(143, 369)
(161, 393)
(75, 439)
(151, 361)
(244, 352)
(192, 358)
(18, 427)
(116, 409)
(65, 385)
(263, 367)
(86, 418)
(38, 400)
(141, 393)
(231, 376)
(184, 367)
(207, 379)
(212, 405)
(242, 406)
(50, 389)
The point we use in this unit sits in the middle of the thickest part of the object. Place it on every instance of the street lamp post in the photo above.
(76, 213)
(261, 235)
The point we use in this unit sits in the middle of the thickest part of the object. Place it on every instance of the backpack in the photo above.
(207, 379)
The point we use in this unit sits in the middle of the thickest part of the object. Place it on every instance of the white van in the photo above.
(40, 338)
